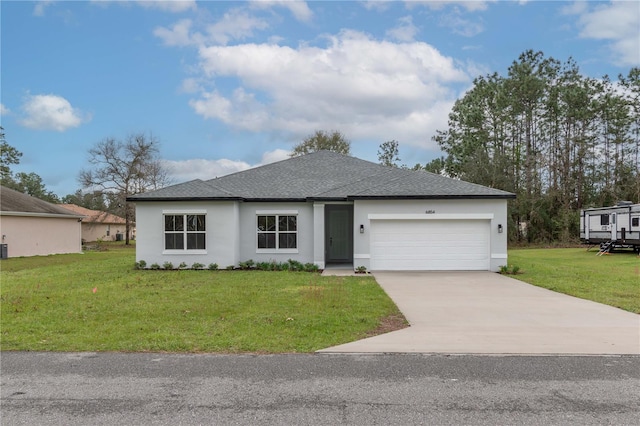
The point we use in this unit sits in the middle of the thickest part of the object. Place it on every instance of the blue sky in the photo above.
(225, 86)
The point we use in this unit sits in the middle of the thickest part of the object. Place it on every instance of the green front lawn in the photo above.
(610, 279)
(98, 302)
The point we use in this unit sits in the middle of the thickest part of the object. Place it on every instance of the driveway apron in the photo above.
(488, 313)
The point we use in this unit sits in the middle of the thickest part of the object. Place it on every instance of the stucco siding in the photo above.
(40, 236)
(98, 231)
(222, 242)
(494, 208)
(248, 232)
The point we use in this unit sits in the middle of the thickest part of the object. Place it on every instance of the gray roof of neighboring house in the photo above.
(323, 175)
(13, 202)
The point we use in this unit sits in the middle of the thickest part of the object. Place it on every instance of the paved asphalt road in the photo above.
(109, 388)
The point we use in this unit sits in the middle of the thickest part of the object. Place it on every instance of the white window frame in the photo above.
(185, 213)
(277, 214)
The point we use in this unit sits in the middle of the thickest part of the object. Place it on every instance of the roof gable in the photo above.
(324, 175)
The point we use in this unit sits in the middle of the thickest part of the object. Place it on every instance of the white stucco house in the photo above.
(326, 208)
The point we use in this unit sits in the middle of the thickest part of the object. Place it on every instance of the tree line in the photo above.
(557, 139)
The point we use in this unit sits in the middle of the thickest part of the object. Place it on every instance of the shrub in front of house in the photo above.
(249, 264)
(311, 267)
(510, 270)
(294, 265)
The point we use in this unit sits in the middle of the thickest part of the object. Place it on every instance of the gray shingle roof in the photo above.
(324, 175)
(16, 202)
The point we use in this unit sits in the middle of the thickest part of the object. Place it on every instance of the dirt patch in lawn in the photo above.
(393, 322)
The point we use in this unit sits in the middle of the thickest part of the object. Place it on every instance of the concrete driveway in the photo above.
(488, 313)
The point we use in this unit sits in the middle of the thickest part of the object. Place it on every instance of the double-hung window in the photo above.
(277, 231)
(185, 232)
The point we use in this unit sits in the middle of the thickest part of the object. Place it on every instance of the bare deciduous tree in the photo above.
(125, 168)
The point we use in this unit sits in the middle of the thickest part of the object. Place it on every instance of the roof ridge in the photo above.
(353, 182)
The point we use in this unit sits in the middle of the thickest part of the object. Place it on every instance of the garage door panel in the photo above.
(430, 245)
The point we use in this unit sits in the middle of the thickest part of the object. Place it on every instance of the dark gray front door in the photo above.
(338, 233)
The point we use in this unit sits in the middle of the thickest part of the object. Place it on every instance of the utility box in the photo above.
(4, 251)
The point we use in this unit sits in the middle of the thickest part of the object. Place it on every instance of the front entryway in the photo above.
(338, 233)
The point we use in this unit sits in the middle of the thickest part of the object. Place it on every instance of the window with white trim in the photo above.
(184, 232)
(277, 232)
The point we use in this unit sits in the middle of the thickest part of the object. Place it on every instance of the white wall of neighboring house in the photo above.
(34, 235)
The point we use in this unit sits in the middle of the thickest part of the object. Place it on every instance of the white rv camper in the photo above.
(612, 227)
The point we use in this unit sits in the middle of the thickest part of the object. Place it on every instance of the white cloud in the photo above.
(275, 155)
(39, 8)
(469, 5)
(173, 6)
(298, 8)
(405, 31)
(460, 25)
(51, 112)
(4, 110)
(191, 85)
(364, 87)
(618, 22)
(177, 35)
(186, 170)
(236, 24)
(575, 8)
(377, 5)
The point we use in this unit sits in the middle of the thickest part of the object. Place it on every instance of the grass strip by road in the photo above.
(97, 302)
(610, 279)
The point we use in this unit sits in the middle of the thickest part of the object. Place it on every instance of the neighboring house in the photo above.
(326, 208)
(30, 226)
(99, 225)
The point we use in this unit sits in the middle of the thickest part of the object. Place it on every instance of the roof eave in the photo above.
(39, 214)
(327, 199)
(145, 199)
(276, 200)
(432, 197)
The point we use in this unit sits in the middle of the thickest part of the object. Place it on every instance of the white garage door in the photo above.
(430, 245)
